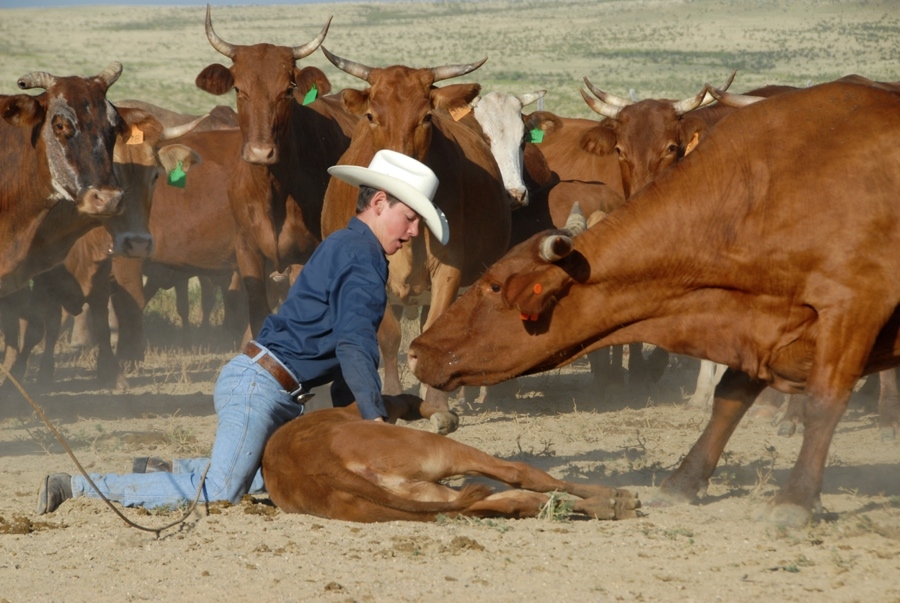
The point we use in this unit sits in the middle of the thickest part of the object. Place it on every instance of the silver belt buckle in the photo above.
(301, 397)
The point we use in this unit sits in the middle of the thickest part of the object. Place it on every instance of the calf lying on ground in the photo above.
(330, 463)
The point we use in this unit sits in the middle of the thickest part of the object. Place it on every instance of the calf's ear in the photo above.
(599, 140)
(308, 77)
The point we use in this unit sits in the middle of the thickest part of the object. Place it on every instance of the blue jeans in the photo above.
(250, 405)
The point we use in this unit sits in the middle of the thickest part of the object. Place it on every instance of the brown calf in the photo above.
(331, 463)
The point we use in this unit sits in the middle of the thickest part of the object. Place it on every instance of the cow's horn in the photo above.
(732, 100)
(606, 97)
(310, 47)
(598, 106)
(111, 74)
(36, 79)
(180, 130)
(700, 100)
(445, 72)
(352, 67)
(530, 97)
(576, 222)
(558, 245)
(218, 43)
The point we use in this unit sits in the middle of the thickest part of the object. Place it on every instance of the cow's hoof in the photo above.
(667, 498)
(787, 428)
(888, 433)
(444, 422)
(785, 514)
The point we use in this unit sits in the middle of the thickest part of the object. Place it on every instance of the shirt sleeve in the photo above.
(359, 302)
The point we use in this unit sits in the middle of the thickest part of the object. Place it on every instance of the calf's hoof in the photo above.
(444, 422)
(624, 505)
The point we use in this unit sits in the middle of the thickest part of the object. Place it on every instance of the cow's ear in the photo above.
(171, 155)
(21, 110)
(599, 140)
(532, 293)
(138, 120)
(690, 132)
(308, 77)
(355, 101)
(454, 95)
(215, 79)
(543, 120)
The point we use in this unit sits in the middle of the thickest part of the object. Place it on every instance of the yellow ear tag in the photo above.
(692, 144)
(137, 136)
(457, 113)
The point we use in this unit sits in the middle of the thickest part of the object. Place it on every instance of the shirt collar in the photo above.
(357, 225)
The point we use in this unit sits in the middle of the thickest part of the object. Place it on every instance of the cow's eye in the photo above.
(673, 148)
(495, 287)
(427, 118)
(370, 117)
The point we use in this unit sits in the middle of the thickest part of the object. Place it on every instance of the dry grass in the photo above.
(660, 48)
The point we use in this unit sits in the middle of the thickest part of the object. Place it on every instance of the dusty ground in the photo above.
(557, 421)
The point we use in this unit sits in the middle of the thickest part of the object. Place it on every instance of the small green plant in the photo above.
(557, 508)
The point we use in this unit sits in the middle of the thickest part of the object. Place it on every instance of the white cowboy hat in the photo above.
(405, 178)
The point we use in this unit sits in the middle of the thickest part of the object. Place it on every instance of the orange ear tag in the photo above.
(457, 113)
(137, 136)
(537, 288)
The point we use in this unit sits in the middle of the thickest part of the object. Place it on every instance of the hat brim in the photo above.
(434, 218)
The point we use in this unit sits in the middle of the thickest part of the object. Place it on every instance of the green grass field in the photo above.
(662, 48)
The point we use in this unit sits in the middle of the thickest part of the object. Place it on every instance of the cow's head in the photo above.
(265, 79)
(486, 335)
(400, 101)
(73, 128)
(139, 161)
(647, 136)
(500, 117)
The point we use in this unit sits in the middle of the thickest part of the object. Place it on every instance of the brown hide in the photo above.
(56, 172)
(276, 192)
(332, 464)
(774, 251)
(399, 110)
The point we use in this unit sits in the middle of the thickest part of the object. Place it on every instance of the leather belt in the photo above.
(266, 360)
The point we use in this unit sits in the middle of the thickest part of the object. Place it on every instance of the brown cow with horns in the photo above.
(775, 251)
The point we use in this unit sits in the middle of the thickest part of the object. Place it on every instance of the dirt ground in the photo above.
(559, 421)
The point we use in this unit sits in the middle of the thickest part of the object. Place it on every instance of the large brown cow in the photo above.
(399, 109)
(276, 192)
(778, 260)
(56, 177)
(139, 158)
(330, 463)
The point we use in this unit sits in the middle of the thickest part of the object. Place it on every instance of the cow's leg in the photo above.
(10, 308)
(108, 371)
(734, 395)
(790, 417)
(709, 376)
(454, 458)
(183, 308)
(436, 408)
(888, 404)
(52, 327)
(389, 336)
(208, 287)
(129, 311)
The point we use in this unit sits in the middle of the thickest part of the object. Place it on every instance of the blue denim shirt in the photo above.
(327, 325)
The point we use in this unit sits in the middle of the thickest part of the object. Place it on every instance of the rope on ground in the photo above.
(71, 454)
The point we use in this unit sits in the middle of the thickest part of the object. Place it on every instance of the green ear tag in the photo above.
(311, 95)
(177, 177)
(537, 135)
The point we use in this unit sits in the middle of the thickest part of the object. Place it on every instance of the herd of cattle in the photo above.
(760, 229)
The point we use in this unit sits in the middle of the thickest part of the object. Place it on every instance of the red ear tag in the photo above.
(534, 317)
(524, 316)
(537, 288)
